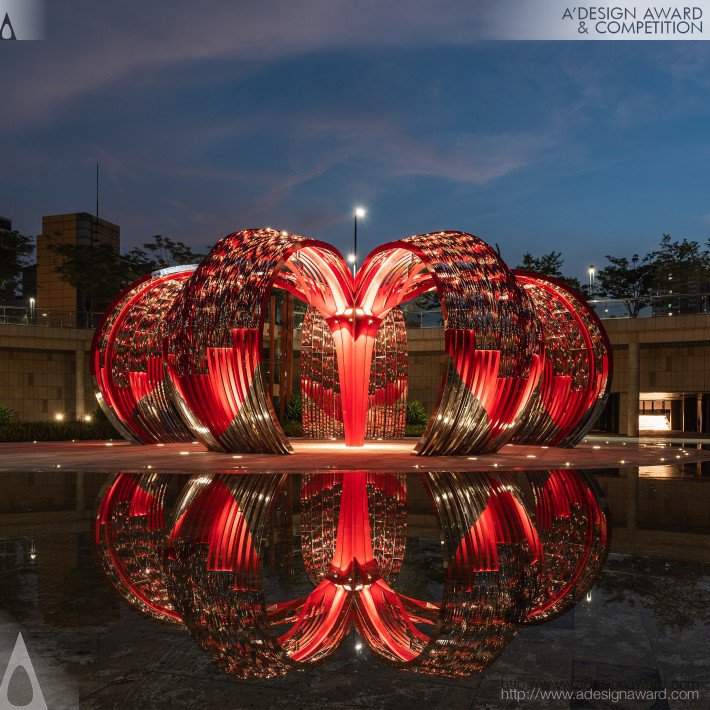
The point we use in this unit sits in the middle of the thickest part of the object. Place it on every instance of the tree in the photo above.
(98, 273)
(15, 248)
(627, 279)
(550, 264)
(162, 252)
(95, 271)
(680, 267)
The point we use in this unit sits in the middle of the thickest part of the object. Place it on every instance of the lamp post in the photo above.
(591, 282)
(359, 213)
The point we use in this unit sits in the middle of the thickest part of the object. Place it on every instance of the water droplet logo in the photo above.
(19, 658)
(7, 31)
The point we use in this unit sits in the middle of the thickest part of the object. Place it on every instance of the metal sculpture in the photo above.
(320, 386)
(321, 402)
(577, 372)
(497, 332)
(492, 337)
(214, 339)
(129, 535)
(127, 360)
(517, 549)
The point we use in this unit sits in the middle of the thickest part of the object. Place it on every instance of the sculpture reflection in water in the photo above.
(516, 549)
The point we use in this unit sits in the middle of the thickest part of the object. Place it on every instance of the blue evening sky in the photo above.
(210, 117)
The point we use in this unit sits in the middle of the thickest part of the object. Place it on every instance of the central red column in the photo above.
(354, 335)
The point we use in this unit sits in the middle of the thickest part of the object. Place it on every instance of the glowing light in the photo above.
(360, 212)
(352, 258)
(59, 417)
(654, 422)
(87, 418)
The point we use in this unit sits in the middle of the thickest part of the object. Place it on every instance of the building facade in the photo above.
(77, 229)
(661, 369)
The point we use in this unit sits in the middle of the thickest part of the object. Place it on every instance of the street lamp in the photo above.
(359, 213)
(591, 281)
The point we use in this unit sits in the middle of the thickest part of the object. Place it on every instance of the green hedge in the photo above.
(98, 428)
(414, 429)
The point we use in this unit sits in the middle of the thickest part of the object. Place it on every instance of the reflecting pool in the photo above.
(357, 588)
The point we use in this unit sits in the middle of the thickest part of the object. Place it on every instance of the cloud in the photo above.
(93, 45)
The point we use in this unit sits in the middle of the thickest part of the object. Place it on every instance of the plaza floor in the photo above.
(593, 453)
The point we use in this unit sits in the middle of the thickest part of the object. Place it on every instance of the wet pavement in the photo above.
(642, 626)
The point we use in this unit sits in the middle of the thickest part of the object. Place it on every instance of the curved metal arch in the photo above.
(214, 342)
(130, 536)
(577, 373)
(492, 337)
(127, 359)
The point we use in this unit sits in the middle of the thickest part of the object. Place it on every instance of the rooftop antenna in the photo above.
(97, 192)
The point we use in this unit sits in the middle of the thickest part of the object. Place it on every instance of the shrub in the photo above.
(5, 415)
(293, 411)
(98, 428)
(416, 414)
(293, 429)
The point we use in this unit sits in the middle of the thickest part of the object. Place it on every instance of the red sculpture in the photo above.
(201, 361)
(509, 558)
(320, 383)
(577, 373)
(129, 535)
(127, 360)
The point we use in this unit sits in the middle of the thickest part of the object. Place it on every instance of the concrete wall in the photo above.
(665, 354)
(44, 371)
(427, 365)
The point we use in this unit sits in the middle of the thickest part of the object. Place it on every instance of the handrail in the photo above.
(661, 305)
(34, 316)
